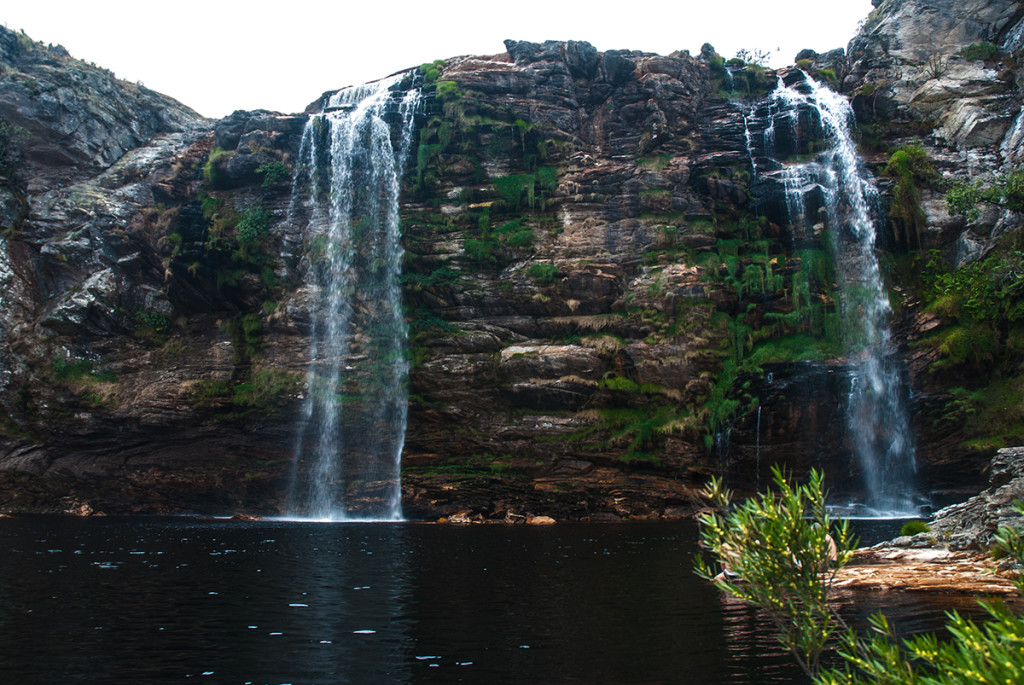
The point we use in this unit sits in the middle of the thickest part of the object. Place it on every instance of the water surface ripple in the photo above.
(174, 600)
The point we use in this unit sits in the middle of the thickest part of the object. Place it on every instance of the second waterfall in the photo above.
(346, 196)
(832, 195)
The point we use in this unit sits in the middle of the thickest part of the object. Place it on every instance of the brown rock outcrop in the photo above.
(893, 569)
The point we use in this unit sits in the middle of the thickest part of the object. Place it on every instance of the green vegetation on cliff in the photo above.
(497, 214)
(274, 173)
(783, 310)
(211, 176)
(979, 51)
(965, 198)
(743, 76)
(978, 343)
(910, 168)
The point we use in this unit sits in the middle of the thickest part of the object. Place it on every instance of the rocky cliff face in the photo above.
(116, 351)
(77, 119)
(606, 305)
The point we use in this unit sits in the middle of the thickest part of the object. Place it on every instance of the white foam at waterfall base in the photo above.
(346, 196)
(877, 419)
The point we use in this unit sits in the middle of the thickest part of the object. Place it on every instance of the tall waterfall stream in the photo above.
(346, 191)
(835, 188)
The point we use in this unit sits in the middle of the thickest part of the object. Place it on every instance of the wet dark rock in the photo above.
(616, 67)
(582, 59)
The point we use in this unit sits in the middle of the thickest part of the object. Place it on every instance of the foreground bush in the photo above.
(775, 554)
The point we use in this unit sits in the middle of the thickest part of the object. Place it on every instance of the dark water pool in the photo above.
(176, 600)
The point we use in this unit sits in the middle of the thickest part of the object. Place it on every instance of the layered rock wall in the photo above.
(606, 303)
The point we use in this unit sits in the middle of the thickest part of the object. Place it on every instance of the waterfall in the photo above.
(730, 84)
(837, 182)
(346, 195)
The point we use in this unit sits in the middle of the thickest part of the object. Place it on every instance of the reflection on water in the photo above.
(147, 600)
(755, 655)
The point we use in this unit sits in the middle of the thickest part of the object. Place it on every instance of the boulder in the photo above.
(461, 517)
(540, 521)
(972, 524)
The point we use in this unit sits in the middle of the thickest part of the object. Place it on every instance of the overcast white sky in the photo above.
(217, 56)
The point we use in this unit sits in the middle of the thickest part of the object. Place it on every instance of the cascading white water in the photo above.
(747, 139)
(730, 83)
(877, 419)
(1012, 147)
(346, 191)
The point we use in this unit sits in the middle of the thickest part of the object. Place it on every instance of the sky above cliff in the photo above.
(217, 56)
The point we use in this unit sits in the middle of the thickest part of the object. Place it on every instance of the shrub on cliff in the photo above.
(910, 167)
(211, 174)
(981, 305)
(979, 51)
(431, 71)
(274, 173)
(915, 527)
(543, 273)
(966, 198)
(253, 225)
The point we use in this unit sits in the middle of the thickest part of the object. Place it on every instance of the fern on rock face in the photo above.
(910, 167)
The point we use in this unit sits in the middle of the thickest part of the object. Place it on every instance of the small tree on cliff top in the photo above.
(776, 552)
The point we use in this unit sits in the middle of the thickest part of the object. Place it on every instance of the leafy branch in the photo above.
(780, 551)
